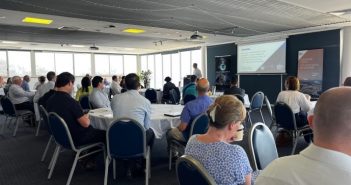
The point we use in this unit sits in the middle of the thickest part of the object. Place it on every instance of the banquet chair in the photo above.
(256, 105)
(64, 140)
(126, 139)
(175, 95)
(45, 119)
(189, 97)
(285, 118)
(151, 95)
(85, 103)
(262, 146)
(198, 126)
(11, 112)
(190, 171)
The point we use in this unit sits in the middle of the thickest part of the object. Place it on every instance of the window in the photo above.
(175, 68)
(166, 66)
(185, 63)
(158, 72)
(64, 62)
(116, 65)
(44, 62)
(82, 64)
(3, 64)
(19, 63)
(130, 64)
(151, 67)
(143, 63)
(102, 65)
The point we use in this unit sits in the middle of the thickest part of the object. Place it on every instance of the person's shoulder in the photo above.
(282, 165)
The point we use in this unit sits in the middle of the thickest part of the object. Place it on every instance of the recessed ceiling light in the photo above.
(337, 13)
(78, 46)
(133, 30)
(9, 42)
(35, 20)
(2, 17)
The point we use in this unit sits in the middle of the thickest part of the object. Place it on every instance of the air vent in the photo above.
(69, 28)
(93, 48)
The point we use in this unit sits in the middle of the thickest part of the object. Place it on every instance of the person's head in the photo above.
(234, 81)
(193, 78)
(97, 82)
(51, 76)
(195, 65)
(1, 80)
(226, 114)
(9, 80)
(16, 80)
(292, 83)
(347, 81)
(85, 83)
(168, 79)
(331, 120)
(26, 78)
(41, 79)
(132, 81)
(65, 82)
(114, 78)
(202, 86)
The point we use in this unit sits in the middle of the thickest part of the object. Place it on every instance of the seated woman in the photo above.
(298, 102)
(166, 88)
(226, 163)
(86, 88)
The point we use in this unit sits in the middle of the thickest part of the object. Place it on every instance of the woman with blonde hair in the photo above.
(226, 163)
(297, 101)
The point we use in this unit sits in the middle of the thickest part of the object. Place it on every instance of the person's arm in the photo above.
(185, 119)
(19, 92)
(84, 121)
(304, 104)
(248, 179)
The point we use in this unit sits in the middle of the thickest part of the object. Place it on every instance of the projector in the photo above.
(93, 48)
(196, 36)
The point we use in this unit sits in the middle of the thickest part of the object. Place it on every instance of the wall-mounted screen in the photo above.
(267, 57)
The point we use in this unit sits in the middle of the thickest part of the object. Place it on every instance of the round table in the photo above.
(103, 117)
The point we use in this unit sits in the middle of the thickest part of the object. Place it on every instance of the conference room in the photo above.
(136, 92)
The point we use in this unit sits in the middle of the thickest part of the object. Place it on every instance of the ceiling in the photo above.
(168, 23)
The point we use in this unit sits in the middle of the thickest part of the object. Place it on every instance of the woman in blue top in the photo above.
(228, 164)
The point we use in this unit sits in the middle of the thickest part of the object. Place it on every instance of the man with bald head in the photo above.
(190, 111)
(19, 97)
(328, 159)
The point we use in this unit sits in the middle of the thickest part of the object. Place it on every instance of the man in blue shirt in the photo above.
(190, 111)
(25, 83)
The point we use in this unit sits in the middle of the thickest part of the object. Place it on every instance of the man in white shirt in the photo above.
(51, 76)
(328, 159)
(20, 98)
(98, 98)
(115, 87)
(197, 71)
(131, 104)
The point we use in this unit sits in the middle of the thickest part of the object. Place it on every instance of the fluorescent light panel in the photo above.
(9, 42)
(78, 46)
(35, 20)
(134, 30)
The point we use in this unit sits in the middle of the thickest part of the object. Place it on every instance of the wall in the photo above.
(271, 84)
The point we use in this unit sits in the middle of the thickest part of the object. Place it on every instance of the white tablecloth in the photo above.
(159, 94)
(102, 118)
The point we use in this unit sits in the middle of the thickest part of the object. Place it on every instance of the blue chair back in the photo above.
(126, 138)
(199, 125)
(84, 102)
(60, 131)
(151, 95)
(8, 107)
(284, 116)
(45, 118)
(190, 172)
(188, 98)
(262, 146)
(175, 95)
(257, 100)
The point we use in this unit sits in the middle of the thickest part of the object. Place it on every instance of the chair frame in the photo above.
(296, 132)
(42, 110)
(255, 109)
(18, 114)
(109, 158)
(73, 147)
(198, 166)
(251, 147)
(175, 144)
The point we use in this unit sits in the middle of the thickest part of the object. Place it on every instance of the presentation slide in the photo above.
(268, 57)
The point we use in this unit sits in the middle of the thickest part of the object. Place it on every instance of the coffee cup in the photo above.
(239, 133)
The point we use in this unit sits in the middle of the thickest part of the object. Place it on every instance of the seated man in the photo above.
(190, 88)
(115, 87)
(20, 98)
(69, 110)
(234, 89)
(190, 111)
(98, 98)
(131, 104)
(25, 83)
(51, 76)
(328, 159)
